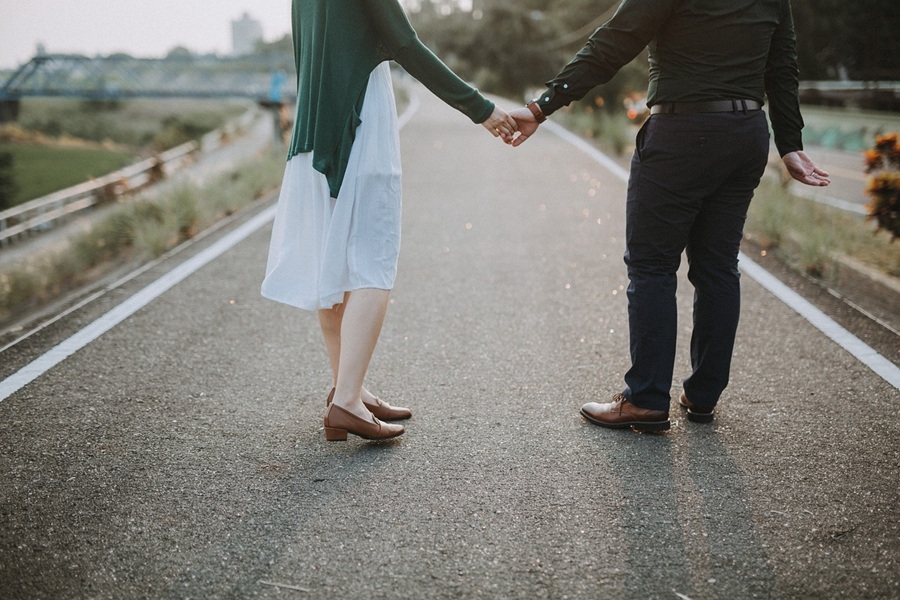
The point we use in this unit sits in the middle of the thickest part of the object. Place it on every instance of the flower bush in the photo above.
(883, 167)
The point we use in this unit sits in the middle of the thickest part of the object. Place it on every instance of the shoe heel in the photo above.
(700, 417)
(335, 435)
(651, 427)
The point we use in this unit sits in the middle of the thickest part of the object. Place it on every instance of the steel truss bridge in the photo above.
(265, 79)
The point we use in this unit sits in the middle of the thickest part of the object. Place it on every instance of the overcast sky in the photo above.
(144, 28)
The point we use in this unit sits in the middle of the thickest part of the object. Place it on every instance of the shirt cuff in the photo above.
(552, 99)
(788, 143)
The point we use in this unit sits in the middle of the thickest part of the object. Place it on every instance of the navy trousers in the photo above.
(692, 178)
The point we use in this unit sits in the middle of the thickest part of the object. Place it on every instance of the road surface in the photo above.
(180, 454)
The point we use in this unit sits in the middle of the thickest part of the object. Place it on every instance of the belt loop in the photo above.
(671, 108)
(733, 106)
(744, 104)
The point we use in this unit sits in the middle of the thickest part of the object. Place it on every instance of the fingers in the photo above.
(819, 176)
(804, 170)
(510, 123)
(514, 128)
(501, 125)
(815, 178)
(505, 125)
(813, 175)
(819, 179)
(497, 131)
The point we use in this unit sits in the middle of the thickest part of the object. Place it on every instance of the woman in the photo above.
(336, 236)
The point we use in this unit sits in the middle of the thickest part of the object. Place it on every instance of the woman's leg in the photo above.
(330, 321)
(359, 326)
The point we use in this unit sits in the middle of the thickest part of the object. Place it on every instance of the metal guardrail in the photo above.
(44, 213)
(851, 86)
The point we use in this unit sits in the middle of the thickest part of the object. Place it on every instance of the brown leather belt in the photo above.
(714, 106)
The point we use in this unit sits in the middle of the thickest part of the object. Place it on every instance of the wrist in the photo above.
(535, 109)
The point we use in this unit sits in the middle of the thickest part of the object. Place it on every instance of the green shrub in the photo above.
(883, 168)
(610, 129)
(812, 236)
(9, 189)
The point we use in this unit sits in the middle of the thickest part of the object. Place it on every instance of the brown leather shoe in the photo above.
(382, 410)
(620, 413)
(339, 422)
(695, 413)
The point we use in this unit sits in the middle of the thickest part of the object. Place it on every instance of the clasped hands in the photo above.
(513, 128)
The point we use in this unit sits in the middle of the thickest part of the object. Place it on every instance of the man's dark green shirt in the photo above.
(700, 50)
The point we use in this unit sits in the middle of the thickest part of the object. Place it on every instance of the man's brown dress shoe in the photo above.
(621, 413)
(339, 422)
(382, 410)
(695, 413)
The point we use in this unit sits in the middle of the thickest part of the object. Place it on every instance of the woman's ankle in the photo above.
(355, 407)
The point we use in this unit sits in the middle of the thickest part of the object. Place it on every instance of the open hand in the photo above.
(527, 125)
(801, 168)
(501, 125)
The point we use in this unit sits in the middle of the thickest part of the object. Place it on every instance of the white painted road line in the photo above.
(843, 338)
(846, 340)
(67, 348)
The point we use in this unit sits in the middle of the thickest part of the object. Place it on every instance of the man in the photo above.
(697, 161)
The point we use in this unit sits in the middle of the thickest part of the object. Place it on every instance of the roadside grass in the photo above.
(158, 123)
(138, 230)
(812, 237)
(611, 131)
(60, 142)
(40, 169)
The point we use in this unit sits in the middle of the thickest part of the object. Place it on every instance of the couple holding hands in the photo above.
(698, 158)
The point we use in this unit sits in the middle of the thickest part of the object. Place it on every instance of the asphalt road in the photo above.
(181, 455)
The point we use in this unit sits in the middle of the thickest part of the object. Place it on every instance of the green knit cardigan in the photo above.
(337, 44)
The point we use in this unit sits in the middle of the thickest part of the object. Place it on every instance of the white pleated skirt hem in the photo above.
(323, 247)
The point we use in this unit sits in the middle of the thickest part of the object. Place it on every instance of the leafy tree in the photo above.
(508, 44)
(519, 45)
(179, 53)
(856, 40)
(281, 46)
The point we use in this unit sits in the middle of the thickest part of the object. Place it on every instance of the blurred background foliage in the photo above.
(512, 48)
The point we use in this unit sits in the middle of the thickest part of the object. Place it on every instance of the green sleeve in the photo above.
(295, 36)
(403, 45)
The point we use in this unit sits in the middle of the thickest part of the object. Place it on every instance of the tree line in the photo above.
(511, 47)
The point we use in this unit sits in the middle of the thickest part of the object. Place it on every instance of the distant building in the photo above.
(246, 33)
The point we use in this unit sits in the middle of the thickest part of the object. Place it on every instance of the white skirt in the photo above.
(322, 247)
